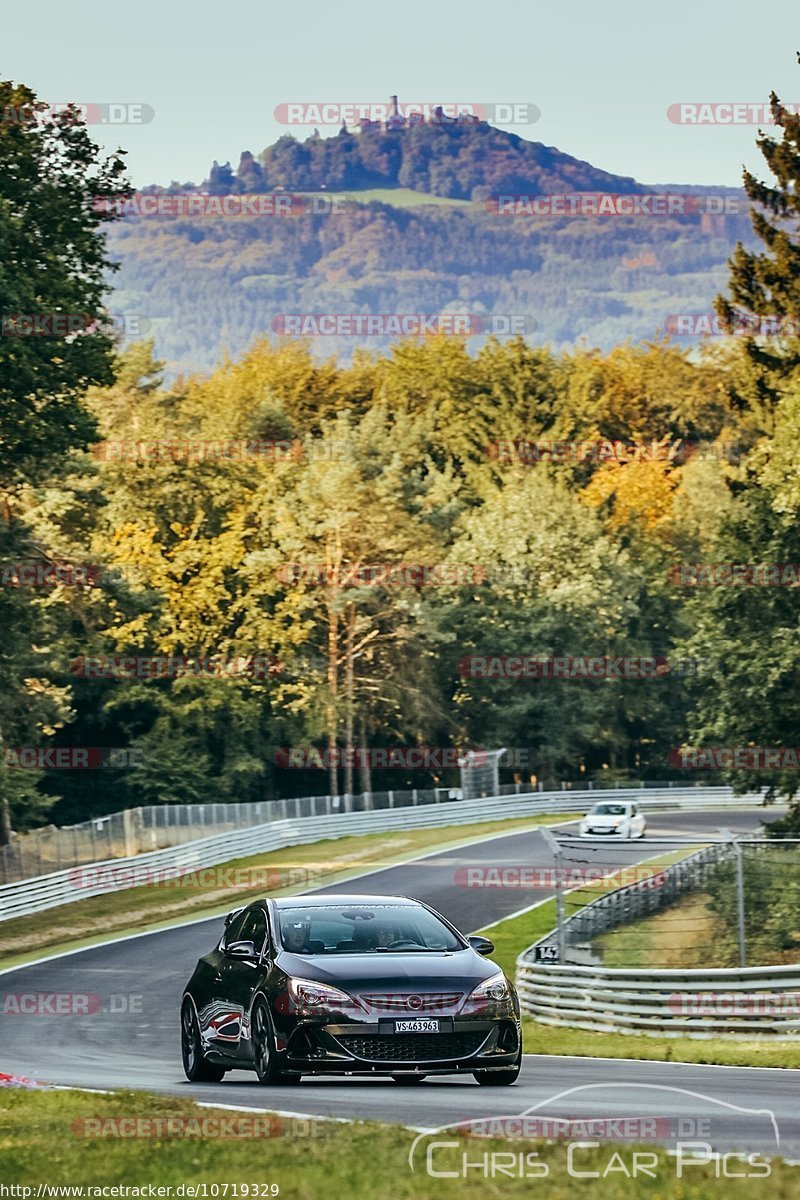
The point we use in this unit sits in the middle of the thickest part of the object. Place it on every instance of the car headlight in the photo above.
(307, 998)
(493, 995)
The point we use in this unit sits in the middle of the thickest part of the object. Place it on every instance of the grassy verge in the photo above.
(685, 935)
(221, 888)
(582, 1043)
(44, 1141)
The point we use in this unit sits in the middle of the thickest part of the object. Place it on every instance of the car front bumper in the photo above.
(607, 832)
(374, 1048)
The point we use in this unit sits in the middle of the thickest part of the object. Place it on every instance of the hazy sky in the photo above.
(602, 74)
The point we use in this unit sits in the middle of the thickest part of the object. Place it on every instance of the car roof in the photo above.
(337, 899)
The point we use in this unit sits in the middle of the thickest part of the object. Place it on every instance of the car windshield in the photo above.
(364, 929)
(609, 810)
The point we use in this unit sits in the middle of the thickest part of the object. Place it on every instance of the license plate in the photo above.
(419, 1025)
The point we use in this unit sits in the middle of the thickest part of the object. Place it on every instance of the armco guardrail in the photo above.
(724, 1002)
(64, 887)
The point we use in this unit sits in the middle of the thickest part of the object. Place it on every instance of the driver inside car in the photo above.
(297, 939)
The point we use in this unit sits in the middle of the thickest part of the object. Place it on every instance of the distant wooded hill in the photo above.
(424, 242)
(461, 162)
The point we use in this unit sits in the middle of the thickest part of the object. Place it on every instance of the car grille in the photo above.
(420, 1003)
(412, 1047)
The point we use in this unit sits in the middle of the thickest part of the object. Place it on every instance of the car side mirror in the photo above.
(483, 945)
(241, 950)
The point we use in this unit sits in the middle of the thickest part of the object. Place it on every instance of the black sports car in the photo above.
(344, 985)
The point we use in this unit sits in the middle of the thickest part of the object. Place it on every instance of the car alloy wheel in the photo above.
(195, 1067)
(264, 1053)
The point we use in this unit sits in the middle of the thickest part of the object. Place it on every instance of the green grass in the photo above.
(158, 905)
(582, 1043)
(686, 934)
(43, 1141)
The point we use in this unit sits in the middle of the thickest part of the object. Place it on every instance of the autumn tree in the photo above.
(55, 194)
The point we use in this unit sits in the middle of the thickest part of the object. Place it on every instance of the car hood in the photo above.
(461, 970)
(603, 819)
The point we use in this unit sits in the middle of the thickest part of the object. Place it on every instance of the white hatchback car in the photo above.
(614, 818)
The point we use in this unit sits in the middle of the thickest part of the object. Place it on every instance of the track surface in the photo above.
(133, 1041)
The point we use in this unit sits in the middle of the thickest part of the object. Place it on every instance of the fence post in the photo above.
(127, 832)
(556, 851)
(737, 850)
(740, 902)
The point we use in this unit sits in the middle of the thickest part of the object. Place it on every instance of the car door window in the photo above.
(234, 931)
(254, 928)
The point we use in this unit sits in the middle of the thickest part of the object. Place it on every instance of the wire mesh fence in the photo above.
(731, 903)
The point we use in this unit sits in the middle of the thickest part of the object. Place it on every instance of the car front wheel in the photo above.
(499, 1078)
(195, 1067)
(265, 1056)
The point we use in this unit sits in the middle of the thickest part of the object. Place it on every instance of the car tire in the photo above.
(265, 1056)
(195, 1066)
(409, 1078)
(499, 1078)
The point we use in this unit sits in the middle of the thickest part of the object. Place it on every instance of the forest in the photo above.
(293, 552)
